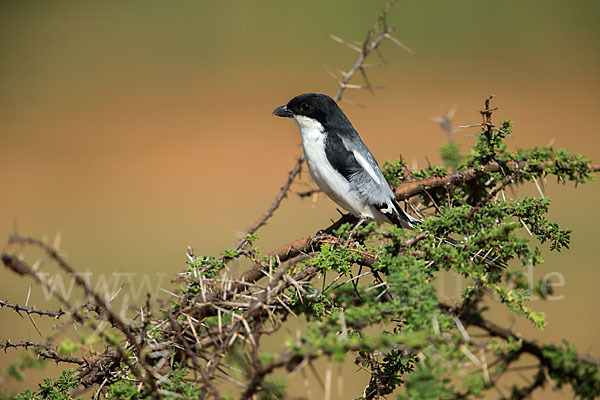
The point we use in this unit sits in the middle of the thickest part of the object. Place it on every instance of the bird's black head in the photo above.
(313, 105)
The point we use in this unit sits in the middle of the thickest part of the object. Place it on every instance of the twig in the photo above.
(527, 346)
(370, 44)
(44, 350)
(32, 310)
(21, 268)
(282, 193)
(410, 189)
(192, 356)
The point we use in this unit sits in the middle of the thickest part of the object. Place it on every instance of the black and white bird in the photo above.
(340, 163)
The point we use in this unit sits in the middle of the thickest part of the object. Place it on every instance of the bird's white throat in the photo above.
(308, 124)
(313, 141)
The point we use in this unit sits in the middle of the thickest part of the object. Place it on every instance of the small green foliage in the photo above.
(490, 144)
(392, 319)
(229, 253)
(362, 231)
(514, 300)
(474, 384)
(314, 306)
(87, 340)
(560, 163)
(124, 390)
(426, 382)
(25, 360)
(387, 375)
(53, 389)
(450, 153)
(67, 346)
(113, 336)
(565, 368)
(251, 238)
(272, 389)
(176, 384)
(211, 265)
(334, 259)
(395, 172)
(432, 170)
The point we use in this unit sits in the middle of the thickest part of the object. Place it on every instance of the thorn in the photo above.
(402, 45)
(330, 73)
(345, 43)
(171, 293)
(461, 328)
(36, 264)
(470, 356)
(28, 294)
(57, 240)
(353, 102)
(343, 324)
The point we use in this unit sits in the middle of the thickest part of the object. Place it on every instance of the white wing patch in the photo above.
(389, 209)
(367, 167)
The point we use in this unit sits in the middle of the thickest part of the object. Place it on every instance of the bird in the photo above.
(344, 168)
(340, 163)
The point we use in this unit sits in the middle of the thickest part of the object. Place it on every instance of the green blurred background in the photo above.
(137, 128)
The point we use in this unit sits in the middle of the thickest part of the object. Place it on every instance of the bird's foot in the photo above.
(324, 233)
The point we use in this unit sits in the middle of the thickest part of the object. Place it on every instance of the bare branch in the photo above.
(44, 350)
(375, 36)
(32, 310)
(282, 193)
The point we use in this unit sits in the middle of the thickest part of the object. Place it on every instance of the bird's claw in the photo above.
(319, 236)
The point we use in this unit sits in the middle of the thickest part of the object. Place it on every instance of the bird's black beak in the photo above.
(283, 112)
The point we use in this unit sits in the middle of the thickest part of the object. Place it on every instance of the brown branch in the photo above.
(44, 350)
(262, 220)
(268, 295)
(290, 361)
(112, 317)
(20, 267)
(303, 245)
(526, 347)
(404, 191)
(489, 197)
(370, 44)
(205, 377)
(32, 310)
(410, 189)
(308, 193)
(282, 194)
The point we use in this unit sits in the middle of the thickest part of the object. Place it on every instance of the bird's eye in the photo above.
(305, 107)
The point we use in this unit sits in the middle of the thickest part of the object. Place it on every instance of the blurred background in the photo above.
(134, 129)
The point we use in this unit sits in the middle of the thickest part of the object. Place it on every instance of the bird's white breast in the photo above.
(325, 176)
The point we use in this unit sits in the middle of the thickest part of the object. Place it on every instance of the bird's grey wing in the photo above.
(353, 160)
(349, 155)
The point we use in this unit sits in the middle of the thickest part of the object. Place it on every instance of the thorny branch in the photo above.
(244, 308)
(44, 350)
(455, 178)
(227, 294)
(32, 310)
(269, 213)
(376, 35)
(20, 267)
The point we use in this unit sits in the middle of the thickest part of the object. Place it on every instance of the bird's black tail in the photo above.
(401, 219)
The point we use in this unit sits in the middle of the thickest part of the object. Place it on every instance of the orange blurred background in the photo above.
(135, 129)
